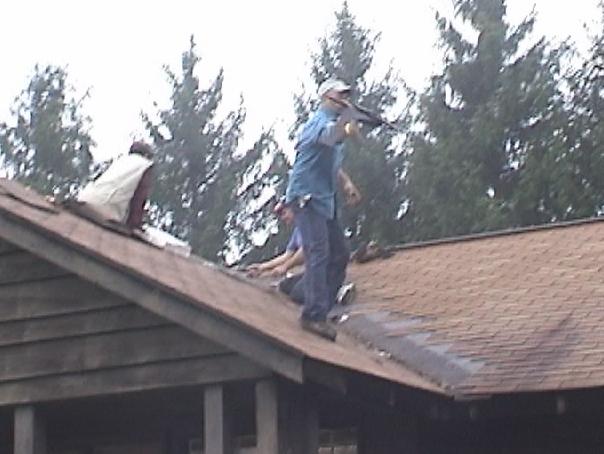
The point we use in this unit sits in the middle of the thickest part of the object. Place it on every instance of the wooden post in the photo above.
(287, 420)
(216, 422)
(29, 431)
(306, 426)
(298, 421)
(267, 417)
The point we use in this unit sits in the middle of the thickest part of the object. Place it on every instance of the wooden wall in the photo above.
(62, 337)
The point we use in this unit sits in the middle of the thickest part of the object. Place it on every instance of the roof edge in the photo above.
(495, 234)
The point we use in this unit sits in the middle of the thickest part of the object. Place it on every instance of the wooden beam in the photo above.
(298, 420)
(216, 421)
(56, 296)
(79, 324)
(145, 291)
(68, 287)
(29, 431)
(168, 374)
(267, 417)
(306, 438)
(22, 266)
(324, 374)
(102, 351)
(6, 247)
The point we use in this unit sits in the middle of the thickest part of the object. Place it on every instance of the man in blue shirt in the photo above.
(312, 194)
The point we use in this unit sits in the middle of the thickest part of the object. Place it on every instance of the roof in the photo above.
(518, 311)
(513, 312)
(258, 323)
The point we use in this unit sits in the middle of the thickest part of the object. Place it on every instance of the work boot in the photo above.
(319, 327)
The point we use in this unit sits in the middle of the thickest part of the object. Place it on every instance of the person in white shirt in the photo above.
(121, 192)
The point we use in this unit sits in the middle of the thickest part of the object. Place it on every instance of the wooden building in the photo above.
(109, 345)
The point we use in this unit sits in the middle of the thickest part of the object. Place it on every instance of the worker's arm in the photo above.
(256, 269)
(351, 192)
(337, 131)
(136, 211)
(295, 259)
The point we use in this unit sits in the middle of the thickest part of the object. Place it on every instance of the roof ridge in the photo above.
(496, 233)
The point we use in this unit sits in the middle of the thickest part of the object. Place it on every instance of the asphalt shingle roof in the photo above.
(514, 312)
(503, 313)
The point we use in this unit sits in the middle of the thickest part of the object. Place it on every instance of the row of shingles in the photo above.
(407, 301)
(376, 304)
(517, 247)
(464, 272)
(514, 316)
(547, 348)
(589, 311)
(524, 321)
(575, 271)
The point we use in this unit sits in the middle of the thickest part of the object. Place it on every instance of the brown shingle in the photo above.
(527, 306)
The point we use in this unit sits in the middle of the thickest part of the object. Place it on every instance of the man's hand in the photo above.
(254, 270)
(351, 193)
(352, 129)
(280, 270)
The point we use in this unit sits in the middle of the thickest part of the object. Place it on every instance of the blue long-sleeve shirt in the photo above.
(318, 159)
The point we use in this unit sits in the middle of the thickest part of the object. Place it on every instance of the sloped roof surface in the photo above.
(254, 308)
(515, 312)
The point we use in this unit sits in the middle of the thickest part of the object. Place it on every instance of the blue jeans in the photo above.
(325, 256)
(293, 287)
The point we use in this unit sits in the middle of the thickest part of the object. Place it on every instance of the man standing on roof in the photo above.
(121, 192)
(312, 194)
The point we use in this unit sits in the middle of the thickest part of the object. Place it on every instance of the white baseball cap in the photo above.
(332, 84)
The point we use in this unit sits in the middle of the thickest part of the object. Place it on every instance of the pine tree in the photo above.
(489, 151)
(262, 178)
(196, 163)
(48, 144)
(585, 133)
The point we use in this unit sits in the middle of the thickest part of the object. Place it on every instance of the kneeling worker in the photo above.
(292, 286)
(120, 193)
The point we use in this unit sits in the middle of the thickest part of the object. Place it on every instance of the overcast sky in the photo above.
(117, 49)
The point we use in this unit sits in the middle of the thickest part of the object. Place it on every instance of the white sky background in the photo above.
(117, 49)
